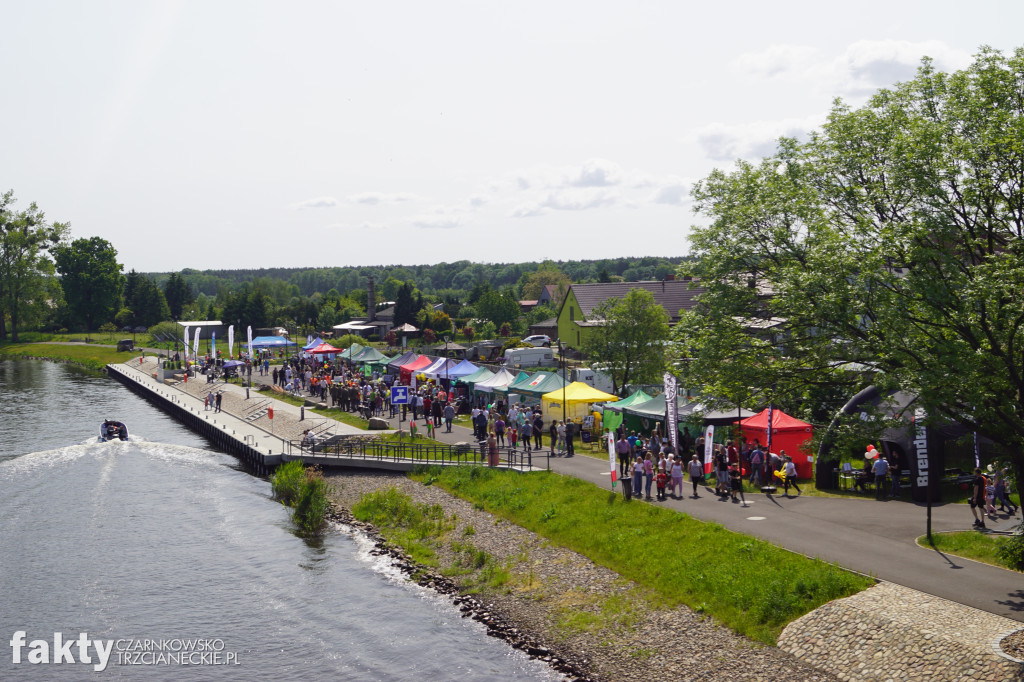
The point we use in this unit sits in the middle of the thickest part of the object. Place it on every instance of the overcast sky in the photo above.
(303, 134)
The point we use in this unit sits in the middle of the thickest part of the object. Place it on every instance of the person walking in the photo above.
(449, 415)
(638, 475)
(894, 471)
(977, 500)
(677, 477)
(623, 451)
(499, 430)
(526, 435)
(879, 469)
(790, 480)
(756, 465)
(696, 474)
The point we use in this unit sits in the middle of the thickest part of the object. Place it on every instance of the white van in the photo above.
(601, 382)
(529, 357)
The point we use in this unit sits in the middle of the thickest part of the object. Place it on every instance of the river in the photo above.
(167, 554)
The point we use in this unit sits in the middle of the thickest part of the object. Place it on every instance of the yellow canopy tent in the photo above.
(577, 396)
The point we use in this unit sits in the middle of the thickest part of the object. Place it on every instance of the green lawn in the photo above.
(749, 585)
(970, 545)
(91, 356)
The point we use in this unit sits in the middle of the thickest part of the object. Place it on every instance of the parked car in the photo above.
(538, 340)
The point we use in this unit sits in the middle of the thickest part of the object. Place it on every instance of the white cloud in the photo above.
(753, 140)
(439, 218)
(375, 198)
(862, 68)
(365, 225)
(590, 173)
(674, 191)
(567, 200)
(319, 202)
(437, 223)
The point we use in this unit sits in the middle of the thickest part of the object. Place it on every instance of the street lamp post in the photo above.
(447, 380)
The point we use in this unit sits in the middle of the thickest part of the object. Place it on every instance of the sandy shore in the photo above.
(556, 600)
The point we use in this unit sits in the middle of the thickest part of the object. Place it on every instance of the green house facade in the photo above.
(576, 314)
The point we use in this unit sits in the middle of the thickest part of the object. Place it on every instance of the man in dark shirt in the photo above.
(978, 499)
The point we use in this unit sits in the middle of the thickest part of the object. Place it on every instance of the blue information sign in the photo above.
(399, 395)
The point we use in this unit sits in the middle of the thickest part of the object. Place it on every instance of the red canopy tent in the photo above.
(324, 348)
(419, 362)
(788, 433)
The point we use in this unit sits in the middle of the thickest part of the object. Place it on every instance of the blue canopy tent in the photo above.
(272, 342)
(312, 344)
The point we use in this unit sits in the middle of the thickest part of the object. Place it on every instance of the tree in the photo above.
(145, 299)
(497, 307)
(92, 281)
(26, 240)
(178, 294)
(405, 306)
(893, 238)
(630, 344)
(548, 274)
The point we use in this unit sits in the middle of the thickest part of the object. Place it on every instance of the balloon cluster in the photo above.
(871, 452)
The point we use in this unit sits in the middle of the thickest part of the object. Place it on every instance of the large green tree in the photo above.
(26, 270)
(890, 245)
(178, 294)
(91, 279)
(630, 344)
(145, 299)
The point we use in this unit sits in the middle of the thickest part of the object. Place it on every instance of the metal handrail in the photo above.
(256, 408)
(371, 448)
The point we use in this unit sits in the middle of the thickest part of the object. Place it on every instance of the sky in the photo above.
(242, 134)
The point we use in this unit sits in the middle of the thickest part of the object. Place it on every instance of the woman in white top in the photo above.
(677, 477)
(790, 470)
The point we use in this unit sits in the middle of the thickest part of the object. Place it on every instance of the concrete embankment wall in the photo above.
(228, 433)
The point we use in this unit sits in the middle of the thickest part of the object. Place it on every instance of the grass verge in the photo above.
(89, 356)
(988, 549)
(304, 490)
(751, 586)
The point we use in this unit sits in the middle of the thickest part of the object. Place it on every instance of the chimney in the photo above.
(371, 301)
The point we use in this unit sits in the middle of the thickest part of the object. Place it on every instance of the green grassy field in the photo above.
(751, 586)
(91, 356)
(969, 545)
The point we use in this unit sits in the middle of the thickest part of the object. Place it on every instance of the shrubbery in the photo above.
(305, 490)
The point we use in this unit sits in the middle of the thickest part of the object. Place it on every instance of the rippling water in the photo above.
(164, 538)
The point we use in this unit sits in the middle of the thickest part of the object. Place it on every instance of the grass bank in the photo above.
(89, 356)
(996, 550)
(305, 491)
(751, 586)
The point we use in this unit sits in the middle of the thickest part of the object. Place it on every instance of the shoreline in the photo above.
(585, 621)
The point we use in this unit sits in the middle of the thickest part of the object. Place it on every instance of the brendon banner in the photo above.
(671, 413)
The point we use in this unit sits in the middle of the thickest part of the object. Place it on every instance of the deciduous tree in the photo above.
(630, 343)
(92, 281)
(893, 239)
(26, 270)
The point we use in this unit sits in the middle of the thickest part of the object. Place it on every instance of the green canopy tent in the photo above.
(354, 349)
